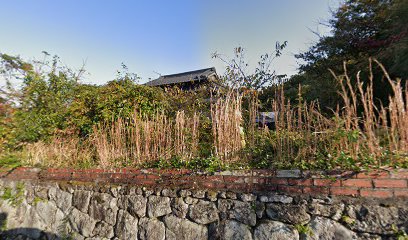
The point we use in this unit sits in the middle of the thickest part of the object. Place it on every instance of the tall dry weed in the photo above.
(360, 133)
(145, 139)
(376, 135)
(59, 152)
(227, 126)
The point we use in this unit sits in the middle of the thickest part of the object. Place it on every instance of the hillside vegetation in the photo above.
(344, 109)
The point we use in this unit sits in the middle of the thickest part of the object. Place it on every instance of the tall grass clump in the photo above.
(301, 131)
(359, 134)
(227, 126)
(382, 130)
(60, 151)
(142, 139)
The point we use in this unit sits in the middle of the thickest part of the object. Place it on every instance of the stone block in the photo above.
(158, 206)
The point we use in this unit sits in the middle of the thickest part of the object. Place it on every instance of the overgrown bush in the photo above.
(306, 138)
(117, 99)
(52, 101)
(54, 120)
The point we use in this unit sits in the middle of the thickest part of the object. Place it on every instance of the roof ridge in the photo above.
(189, 72)
(182, 77)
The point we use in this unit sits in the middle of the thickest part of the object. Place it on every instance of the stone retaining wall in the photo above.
(153, 204)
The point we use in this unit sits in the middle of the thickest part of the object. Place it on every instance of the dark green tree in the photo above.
(51, 99)
(41, 103)
(117, 99)
(360, 29)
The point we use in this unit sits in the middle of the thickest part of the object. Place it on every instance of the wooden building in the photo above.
(186, 80)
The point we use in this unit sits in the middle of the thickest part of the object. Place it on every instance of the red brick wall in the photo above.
(376, 184)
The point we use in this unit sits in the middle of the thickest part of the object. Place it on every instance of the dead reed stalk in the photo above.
(376, 135)
(227, 128)
(144, 139)
(59, 152)
(303, 133)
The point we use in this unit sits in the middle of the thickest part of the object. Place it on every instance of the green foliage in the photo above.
(400, 234)
(266, 153)
(38, 200)
(163, 164)
(348, 220)
(14, 196)
(120, 98)
(52, 104)
(10, 160)
(41, 105)
(63, 230)
(262, 154)
(6, 122)
(209, 164)
(359, 30)
(304, 229)
(67, 236)
(196, 100)
(116, 99)
(52, 101)
(3, 222)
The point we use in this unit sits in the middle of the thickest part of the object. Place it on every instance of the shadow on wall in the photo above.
(24, 233)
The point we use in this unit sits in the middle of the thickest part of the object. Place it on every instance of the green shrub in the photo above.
(14, 196)
(117, 99)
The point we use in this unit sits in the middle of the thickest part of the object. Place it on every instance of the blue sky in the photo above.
(158, 36)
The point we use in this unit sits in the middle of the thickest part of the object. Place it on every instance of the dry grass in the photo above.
(377, 135)
(253, 107)
(300, 131)
(382, 128)
(227, 126)
(142, 139)
(59, 152)
(358, 134)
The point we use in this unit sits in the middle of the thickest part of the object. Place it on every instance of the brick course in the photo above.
(390, 183)
(375, 184)
(376, 193)
(327, 182)
(344, 191)
(357, 183)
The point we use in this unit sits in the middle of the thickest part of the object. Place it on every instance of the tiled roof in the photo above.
(196, 75)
